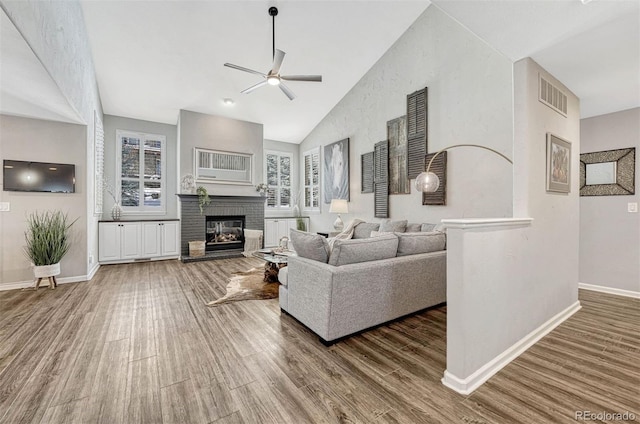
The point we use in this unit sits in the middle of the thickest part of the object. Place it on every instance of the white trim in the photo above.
(468, 385)
(610, 290)
(31, 283)
(476, 223)
(92, 271)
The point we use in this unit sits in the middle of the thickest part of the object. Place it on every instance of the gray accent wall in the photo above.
(219, 133)
(114, 123)
(42, 141)
(470, 101)
(609, 235)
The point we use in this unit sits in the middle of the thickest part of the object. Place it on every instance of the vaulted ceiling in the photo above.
(154, 58)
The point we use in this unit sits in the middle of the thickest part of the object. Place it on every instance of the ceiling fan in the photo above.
(273, 77)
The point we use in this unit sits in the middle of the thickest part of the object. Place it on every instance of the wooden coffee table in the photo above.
(273, 262)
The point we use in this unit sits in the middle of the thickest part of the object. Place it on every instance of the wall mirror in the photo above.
(608, 173)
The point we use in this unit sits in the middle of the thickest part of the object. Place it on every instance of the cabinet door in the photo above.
(283, 229)
(151, 239)
(170, 238)
(271, 232)
(131, 238)
(109, 241)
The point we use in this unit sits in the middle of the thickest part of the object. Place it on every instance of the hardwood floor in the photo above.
(138, 345)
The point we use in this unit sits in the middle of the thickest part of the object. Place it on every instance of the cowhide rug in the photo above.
(247, 285)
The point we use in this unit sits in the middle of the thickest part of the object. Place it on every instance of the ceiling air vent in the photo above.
(551, 96)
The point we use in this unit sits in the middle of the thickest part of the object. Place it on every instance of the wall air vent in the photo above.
(222, 167)
(552, 96)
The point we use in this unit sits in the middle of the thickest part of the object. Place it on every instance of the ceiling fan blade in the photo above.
(277, 61)
(310, 78)
(287, 91)
(253, 87)
(240, 68)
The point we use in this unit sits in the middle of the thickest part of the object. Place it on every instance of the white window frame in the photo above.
(141, 208)
(291, 178)
(303, 183)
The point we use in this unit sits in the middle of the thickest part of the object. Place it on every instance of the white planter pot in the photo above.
(46, 271)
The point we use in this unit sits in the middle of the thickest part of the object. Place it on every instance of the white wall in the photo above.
(470, 101)
(42, 141)
(219, 133)
(294, 149)
(114, 123)
(56, 33)
(609, 235)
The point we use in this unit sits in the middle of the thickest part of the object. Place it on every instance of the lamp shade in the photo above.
(338, 206)
(427, 182)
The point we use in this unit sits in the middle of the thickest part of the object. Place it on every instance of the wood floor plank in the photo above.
(139, 344)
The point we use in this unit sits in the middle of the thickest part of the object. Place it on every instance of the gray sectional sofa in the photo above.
(364, 281)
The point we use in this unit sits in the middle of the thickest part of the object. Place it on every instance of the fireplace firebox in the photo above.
(224, 232)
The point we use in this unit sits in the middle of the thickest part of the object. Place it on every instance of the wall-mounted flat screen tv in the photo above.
(39, 176)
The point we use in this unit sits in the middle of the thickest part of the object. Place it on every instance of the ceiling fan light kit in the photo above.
(273, 77)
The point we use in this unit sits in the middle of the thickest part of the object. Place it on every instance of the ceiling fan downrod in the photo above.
(273, 12)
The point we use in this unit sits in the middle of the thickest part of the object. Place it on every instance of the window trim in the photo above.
(291, 177)
(141, 209)
(303, 185)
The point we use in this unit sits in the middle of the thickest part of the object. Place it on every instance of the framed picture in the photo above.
(558, 164)
(608, 173)
(336, 171)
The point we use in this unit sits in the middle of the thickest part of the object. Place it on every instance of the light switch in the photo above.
(5, 206)
(632, 207)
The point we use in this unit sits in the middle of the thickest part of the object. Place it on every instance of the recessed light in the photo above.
(228, 102)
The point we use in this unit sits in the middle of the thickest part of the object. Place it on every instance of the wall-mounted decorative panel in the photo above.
(608, 173)
(417, 128)
(381, 179)
(366, 178)
(397, 136)
(438, 167)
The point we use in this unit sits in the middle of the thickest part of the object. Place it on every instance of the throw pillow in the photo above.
(395, 226)
(415, 243)
(363, 230)
(413, 228)
(310, 246)
(363, 250)
(427, 228)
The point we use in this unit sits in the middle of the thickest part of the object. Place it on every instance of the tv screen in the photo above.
(39, 176)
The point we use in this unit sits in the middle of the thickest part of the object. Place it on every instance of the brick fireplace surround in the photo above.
(193, 223)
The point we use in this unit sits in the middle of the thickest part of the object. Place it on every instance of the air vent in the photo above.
(222, 167)
(551, 96)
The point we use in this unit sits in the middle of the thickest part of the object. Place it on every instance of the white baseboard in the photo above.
(92, 271)
(468, 385)
(609, 290)
(31, 283)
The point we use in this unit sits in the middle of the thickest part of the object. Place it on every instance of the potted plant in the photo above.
(203, 198)
(47, 238)
(262, 188)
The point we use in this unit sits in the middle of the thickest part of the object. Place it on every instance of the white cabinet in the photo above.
(118, 241)
(128, 241)
(276, 228)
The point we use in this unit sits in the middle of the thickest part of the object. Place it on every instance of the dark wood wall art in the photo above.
(381, 179)
(366, 167)
(416, 131)
(608, 173)
(398, 174)
(438, 167)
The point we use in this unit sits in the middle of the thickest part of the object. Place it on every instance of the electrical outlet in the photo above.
(632, 207)
(90, 259)
(5, 206)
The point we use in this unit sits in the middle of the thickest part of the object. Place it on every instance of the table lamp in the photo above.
(338, 206)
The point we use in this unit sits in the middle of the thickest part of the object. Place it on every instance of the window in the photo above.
(277, 171)
(311, 179)
(141, 172)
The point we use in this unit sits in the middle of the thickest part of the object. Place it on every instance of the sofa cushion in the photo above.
(427, 228)
(363, 250)
(413, 228)
(415, 243)
(283, 275)
(395, 226)
(363, 230)
(310, 246)
(380, 233)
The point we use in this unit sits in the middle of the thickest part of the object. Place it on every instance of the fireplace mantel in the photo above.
(192, 222)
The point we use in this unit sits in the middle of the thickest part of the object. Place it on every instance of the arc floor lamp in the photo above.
(428, 182)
